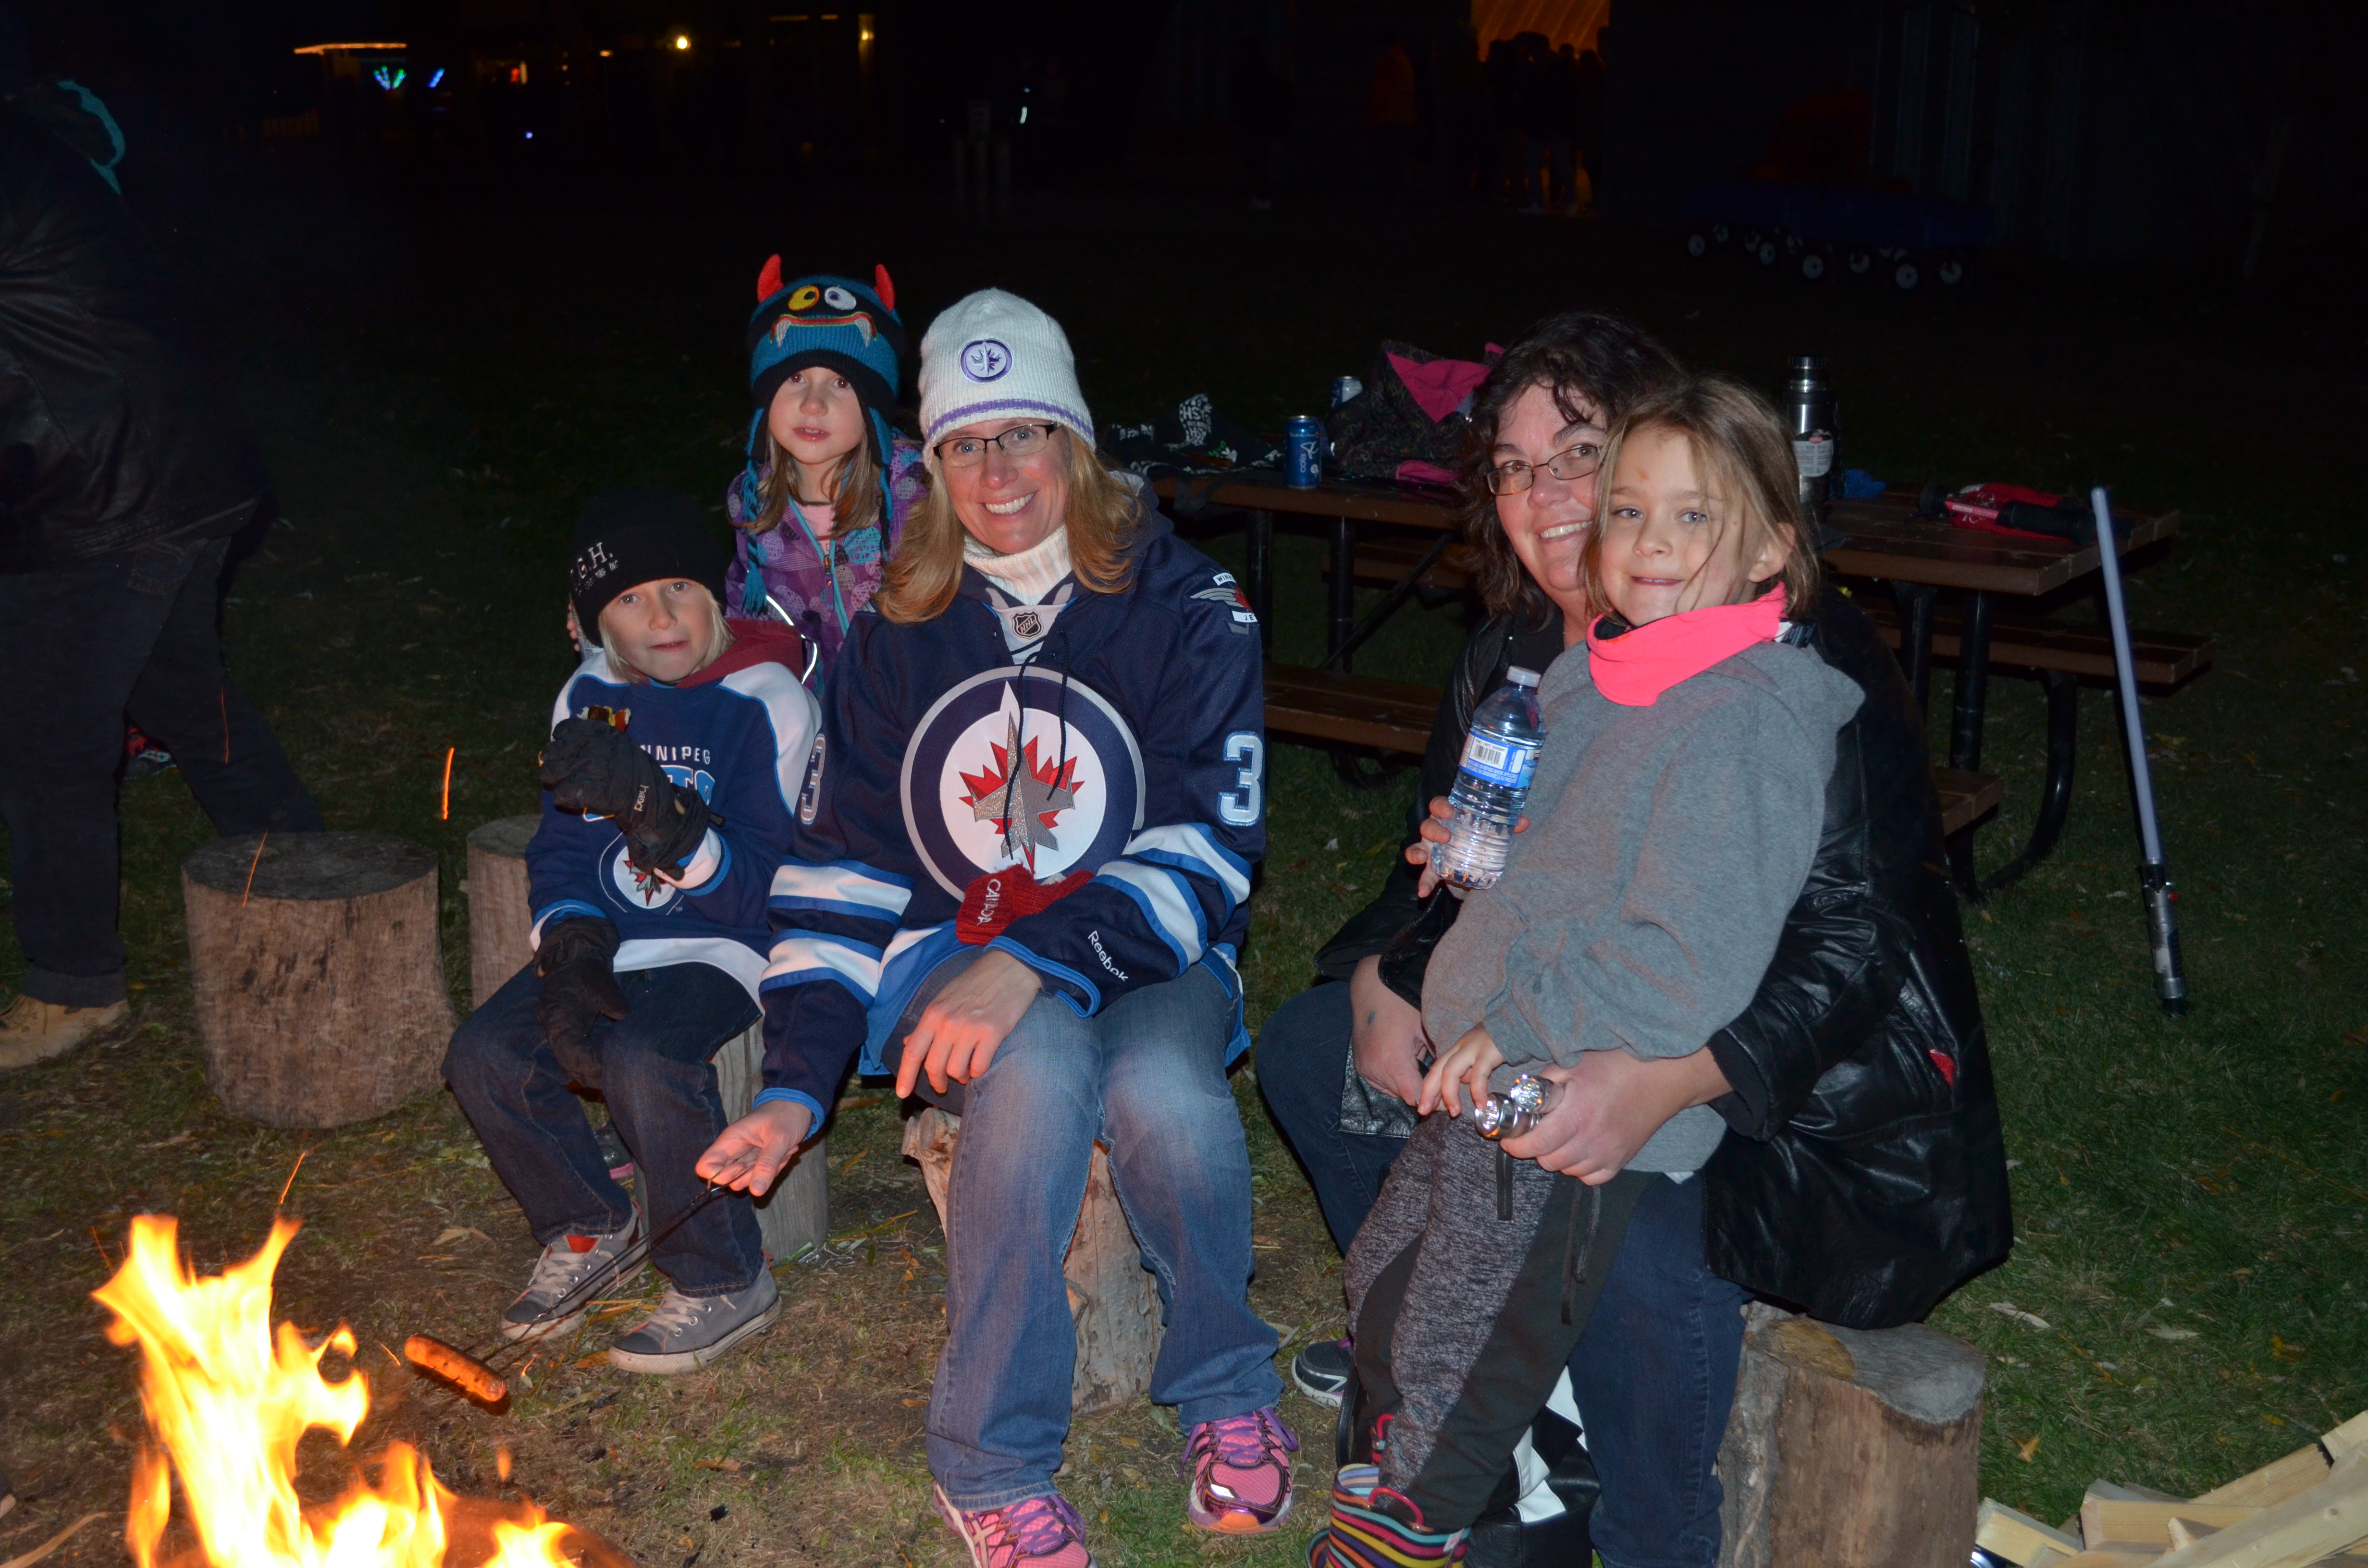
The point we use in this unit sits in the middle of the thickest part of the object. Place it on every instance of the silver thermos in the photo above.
(1809, 401)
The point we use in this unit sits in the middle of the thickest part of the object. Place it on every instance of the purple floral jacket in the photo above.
(800, 578)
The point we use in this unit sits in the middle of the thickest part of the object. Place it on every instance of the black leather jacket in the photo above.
(113, 434)
(1863, 1178)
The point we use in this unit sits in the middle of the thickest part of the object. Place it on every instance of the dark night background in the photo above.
(455, 308)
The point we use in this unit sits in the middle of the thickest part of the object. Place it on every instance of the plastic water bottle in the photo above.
(1492, 784)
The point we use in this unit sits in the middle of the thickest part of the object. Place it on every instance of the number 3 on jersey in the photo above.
(1241, 808)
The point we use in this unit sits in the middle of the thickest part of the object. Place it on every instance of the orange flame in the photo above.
(229, 1400)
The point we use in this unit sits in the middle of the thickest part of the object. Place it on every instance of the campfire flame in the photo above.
(229, 1400)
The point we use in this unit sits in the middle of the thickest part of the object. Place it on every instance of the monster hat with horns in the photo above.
(849, 327)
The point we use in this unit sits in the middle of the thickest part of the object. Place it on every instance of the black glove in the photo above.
(591, 766)
(579, 984)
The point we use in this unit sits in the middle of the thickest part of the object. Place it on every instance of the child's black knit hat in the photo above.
(628, 537)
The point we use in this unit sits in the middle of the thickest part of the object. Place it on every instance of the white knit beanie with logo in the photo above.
(993, 356)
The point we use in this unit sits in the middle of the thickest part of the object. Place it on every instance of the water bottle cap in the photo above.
(1521, 676)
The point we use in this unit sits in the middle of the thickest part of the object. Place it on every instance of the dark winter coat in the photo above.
(113, 434)
(1863, 1178)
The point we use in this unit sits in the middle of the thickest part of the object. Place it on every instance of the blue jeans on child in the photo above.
(653, 1073)
(1148, 1078)
(1654, 1374)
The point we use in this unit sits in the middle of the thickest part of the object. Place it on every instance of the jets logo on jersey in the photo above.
(994, 777)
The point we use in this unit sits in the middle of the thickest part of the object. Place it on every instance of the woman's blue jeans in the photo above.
(653, 1073)
(1146, 1077)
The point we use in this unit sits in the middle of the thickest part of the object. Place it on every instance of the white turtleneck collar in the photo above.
(1029, 575)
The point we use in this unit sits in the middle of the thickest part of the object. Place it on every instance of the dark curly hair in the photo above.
(1591, 355)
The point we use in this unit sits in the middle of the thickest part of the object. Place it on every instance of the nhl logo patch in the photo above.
(1028, 622)
(994, 778)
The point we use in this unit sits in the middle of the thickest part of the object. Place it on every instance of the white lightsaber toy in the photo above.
(2154, 879)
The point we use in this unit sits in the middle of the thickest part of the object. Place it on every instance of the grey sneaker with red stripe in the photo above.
(1239, 1470)
(1036, 1532)
(559, 1274)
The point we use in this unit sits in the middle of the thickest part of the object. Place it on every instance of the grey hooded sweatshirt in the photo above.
(1666, 845)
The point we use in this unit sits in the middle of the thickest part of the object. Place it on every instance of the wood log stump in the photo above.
(1113, 1299)
(1852, 1448)
(501, 920)
(317, 973)
(796, 1213)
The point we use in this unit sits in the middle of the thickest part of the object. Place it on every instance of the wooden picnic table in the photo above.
(1881, 538)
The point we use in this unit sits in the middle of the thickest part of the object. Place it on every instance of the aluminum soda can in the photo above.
(1346, 389)
(1303, 444)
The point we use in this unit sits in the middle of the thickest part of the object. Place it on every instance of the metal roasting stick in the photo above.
(2154, 879)
(484, 1360)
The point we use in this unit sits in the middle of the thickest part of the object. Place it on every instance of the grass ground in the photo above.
(443, 373)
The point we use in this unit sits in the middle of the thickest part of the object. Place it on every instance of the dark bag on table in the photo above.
(1384, 426)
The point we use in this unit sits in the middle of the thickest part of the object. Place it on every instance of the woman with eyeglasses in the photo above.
(1017, 883)
(1861, 1178)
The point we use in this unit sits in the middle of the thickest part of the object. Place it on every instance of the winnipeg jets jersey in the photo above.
(740, 733)
(1120, 741)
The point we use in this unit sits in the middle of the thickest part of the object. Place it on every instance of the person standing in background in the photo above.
(125, 472)
(1589, 133)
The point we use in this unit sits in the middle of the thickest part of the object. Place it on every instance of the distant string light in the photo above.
(389, 77)
(682, 41)
(437, 80)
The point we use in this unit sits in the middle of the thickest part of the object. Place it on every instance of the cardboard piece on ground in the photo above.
(2010, 1533)
(2300, 1530)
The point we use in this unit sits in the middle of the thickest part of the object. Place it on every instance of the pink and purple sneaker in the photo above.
(1239, 1470)
(1036, 1532)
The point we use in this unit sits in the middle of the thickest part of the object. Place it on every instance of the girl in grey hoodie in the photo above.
(1676, 808)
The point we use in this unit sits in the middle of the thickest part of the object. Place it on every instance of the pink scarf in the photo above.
(1634, 668)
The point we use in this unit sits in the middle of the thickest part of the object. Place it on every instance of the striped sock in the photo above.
(1362, 1536)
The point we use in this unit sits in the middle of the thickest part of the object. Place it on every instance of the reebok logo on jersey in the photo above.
(1103, 953)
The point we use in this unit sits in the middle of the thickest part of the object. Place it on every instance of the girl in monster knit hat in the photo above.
(820, 505)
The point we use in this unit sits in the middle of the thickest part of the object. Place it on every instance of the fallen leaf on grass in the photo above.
(2355, 1036)
(2163, 1331)
(460, 1232)
(2285, 1351)
(2028, 1320)
(2024, 1451)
